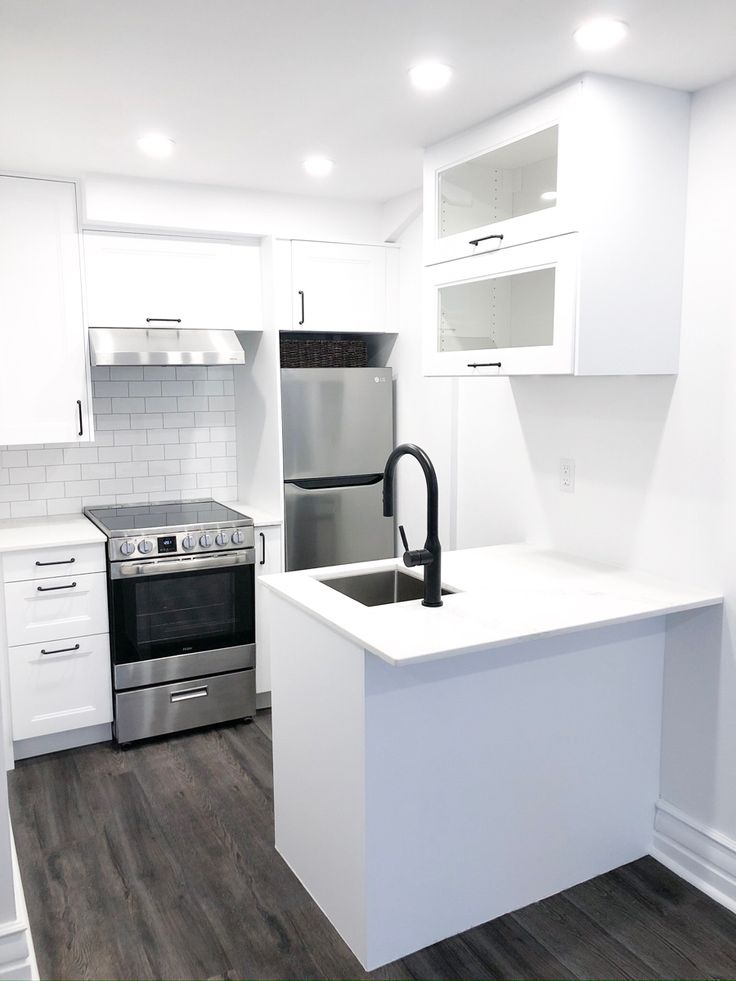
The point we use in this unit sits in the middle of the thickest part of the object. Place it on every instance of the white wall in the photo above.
(655, 470)
(200, 207)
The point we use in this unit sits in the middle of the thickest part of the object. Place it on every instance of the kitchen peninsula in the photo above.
(436, 768)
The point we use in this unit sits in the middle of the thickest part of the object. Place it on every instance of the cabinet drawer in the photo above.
(59, 686)
(41, 563)
(190, 704)
(59, 608)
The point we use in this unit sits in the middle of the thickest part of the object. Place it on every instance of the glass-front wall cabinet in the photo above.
(517, 179)
(516, 307)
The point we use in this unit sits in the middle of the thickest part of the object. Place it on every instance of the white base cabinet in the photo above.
(56, 641)
(269, 560)
(44, 383)
(602, 162)
(343, 288)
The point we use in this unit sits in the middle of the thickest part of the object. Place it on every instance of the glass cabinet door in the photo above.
(516, 307)
(507, 182)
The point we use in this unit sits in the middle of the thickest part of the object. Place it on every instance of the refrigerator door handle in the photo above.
(323, 483)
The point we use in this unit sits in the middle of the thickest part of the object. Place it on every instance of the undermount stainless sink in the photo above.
(380, 588)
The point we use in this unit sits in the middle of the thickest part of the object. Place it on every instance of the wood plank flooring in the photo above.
(158, 862)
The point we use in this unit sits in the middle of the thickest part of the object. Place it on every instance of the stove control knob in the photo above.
(145, 546)
(127, 548)
(238, 538)
(221, 538)
(188, 543)
(205, 541)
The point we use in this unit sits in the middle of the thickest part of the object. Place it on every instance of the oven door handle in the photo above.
(185, 563)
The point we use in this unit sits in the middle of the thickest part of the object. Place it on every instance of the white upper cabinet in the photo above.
(44, 386)
(577, 202)
(507, 182)
(511, 312)
(344, 288)
(154, 281)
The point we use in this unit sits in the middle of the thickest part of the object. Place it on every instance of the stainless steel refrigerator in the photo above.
(338, 432)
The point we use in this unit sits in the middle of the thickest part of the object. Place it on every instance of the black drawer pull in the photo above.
(301, 294)
(50, 589)
(475, 241)
(485, 364)
(81, 423)
(62, 650)
(263, 548)
(163, 320)
(60, 562)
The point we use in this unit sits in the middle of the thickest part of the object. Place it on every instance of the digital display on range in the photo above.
(167, 543)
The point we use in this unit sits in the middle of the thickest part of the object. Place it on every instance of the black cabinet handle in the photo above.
(301, 294)
(61, 650)
(475, 241)
(263, 548)
(163, 320)
(485, 364)
(50, 589)
(81, 424)
(60, 562)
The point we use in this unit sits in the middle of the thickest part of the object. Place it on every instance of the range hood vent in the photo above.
(163, 346)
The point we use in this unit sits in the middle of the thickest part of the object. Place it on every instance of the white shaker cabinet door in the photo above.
(341, 288)
(151, 281)
(43, 364)
(268, 561)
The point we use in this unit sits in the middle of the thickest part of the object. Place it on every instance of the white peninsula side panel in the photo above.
(417, 801)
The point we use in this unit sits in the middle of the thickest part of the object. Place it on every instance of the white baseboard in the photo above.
(17, 957)
(72, 739)
(701, 855)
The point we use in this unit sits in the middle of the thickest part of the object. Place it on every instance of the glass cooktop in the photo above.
(165, 515)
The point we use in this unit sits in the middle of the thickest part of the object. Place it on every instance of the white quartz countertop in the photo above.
(259, 516)
(18, 534)
(506, 594)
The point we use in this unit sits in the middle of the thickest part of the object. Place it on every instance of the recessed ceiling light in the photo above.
(318, 166)
(156, 145)
(600, 34)
(548, 196)
(430, 76)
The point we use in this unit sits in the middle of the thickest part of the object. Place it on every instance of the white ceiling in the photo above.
(248, 88)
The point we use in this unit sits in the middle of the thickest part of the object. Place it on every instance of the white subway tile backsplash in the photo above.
(28, 475)
(66, 472)
(148, 452)
(161, 433)
(45, 458)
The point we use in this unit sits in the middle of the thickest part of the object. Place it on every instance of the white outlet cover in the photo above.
(567, 475)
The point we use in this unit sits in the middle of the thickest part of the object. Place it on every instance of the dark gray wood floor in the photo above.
(158, 862)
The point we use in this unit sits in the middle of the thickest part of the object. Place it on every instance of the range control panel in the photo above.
(181, 543)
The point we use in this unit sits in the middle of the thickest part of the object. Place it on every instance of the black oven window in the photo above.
(182, 613)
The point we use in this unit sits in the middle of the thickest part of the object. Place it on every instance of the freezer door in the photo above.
(335, 525)
(337, 422)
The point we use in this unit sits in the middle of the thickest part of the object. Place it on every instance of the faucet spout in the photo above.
(431, 555)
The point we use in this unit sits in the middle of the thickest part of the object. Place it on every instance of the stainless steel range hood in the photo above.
(162, 346)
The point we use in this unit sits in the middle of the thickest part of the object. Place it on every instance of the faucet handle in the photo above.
(403, 538)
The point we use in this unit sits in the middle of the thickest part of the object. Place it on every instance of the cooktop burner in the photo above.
(171, 528)
(124, 518)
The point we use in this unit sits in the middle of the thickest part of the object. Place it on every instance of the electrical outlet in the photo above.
(567, 476)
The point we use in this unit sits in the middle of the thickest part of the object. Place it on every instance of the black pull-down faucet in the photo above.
(431, 555)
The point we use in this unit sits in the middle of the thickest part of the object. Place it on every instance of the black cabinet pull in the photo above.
(81, 424)
(301, 294)
(60, 562)
(163, 320)
(263, 548)
(50, 589)
(61, 650)
(485, 364)
(475, 241)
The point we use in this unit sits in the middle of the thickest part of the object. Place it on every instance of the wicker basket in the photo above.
(323, 353)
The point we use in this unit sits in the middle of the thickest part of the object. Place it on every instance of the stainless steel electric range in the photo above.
(182, 615)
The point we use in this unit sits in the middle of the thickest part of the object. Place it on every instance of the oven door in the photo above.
(182, 617)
